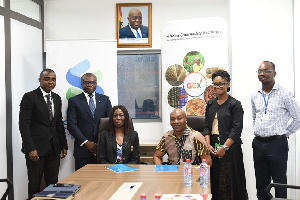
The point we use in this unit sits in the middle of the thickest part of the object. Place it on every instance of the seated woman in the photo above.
(118, 144)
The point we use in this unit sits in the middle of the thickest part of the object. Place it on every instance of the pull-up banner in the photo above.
(70, 60)
(192, 50)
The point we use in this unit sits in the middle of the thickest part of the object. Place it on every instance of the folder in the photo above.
(54, 195)
(72, 188)
(66, 191)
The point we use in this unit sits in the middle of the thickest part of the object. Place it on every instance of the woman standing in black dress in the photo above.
(222, 131)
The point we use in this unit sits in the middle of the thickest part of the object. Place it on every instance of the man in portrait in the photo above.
(134, 29)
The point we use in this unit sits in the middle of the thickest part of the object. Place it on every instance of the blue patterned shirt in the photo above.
(272, 112)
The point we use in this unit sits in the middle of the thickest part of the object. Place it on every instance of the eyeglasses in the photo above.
(118, 116)
(89, 82)
(136, 17)
(265, 71)
(221, 84)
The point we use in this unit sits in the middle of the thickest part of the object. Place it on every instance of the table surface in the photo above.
(97, 182)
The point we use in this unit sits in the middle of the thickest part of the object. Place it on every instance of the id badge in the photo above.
(217, 146)
(265, 116)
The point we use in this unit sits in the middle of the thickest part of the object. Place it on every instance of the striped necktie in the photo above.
(92, 104)
(49, 105)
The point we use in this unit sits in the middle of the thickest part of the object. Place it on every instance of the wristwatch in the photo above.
(226, 147)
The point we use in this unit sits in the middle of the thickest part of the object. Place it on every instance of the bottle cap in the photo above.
(188, 160)
(203, 160)
(157, 196)
(143, 195)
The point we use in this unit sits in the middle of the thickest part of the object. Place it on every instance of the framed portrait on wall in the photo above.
(134, 24)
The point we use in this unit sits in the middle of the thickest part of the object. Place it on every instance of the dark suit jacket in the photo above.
(107, 148)
(36, 127)
(82, 125)
(230, 119)
(127, 33)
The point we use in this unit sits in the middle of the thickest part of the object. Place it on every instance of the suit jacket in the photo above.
(127, 33)
(35, 126)
(107, 148)
(230, 119)
(82, 125)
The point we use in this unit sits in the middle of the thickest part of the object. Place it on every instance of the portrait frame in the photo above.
(126, 38)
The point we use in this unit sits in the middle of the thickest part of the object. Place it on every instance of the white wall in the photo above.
(26, 65)
(297, 82)
(3, 157)
(260, 30)
(92, 19)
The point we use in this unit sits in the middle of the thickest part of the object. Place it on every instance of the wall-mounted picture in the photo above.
(134, 24)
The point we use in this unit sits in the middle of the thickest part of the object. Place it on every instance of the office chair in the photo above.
(279, 185)
(196, 122)
(9, 186)
(104, 124)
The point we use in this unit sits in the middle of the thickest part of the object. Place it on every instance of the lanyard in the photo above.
(266, 102)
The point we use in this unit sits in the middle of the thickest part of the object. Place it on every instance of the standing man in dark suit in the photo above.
(42, 131)
(134, 29)
(84, 113)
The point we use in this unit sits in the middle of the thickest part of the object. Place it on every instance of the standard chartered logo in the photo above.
(73, 77)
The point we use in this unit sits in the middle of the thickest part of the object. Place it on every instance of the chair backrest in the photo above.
(9, 186)
(196, 122)
(104, 124)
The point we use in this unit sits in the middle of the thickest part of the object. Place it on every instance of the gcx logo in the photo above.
(195, 84)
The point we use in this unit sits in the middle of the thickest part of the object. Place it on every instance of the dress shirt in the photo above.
(134, 31)
(44, 95)
(88, 98)
(88, 102)
(278, 107)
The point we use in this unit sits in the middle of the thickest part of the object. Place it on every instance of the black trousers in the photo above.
(81, 162)
(270, 162)
(47, 165)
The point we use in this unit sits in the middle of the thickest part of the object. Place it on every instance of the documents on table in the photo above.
(121, 168)
(166, 168)
(126, 191)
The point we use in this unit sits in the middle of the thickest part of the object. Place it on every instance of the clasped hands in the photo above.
(33, 155)
(220, 153)
(92, 147)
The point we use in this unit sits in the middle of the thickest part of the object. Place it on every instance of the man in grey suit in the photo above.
(42, 131)
(84, 113)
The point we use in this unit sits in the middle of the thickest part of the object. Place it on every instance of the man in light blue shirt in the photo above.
(272, 108)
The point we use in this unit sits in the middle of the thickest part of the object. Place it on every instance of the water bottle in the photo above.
(157, 196)
(187, 173)
(204, 174)
(143, 196)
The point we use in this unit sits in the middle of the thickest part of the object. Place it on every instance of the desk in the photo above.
(97, 182)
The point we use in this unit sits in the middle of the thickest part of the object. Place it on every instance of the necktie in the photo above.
(92, 104)
(49, 105)
(138, 35)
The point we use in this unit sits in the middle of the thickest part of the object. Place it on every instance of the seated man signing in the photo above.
(181, 143)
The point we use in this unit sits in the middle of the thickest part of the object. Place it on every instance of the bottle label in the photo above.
(188, 171)
(203, 171)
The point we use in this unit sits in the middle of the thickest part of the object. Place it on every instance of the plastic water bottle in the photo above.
(143, 196)
(157, 196)
(187, 173)
(204, 174)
